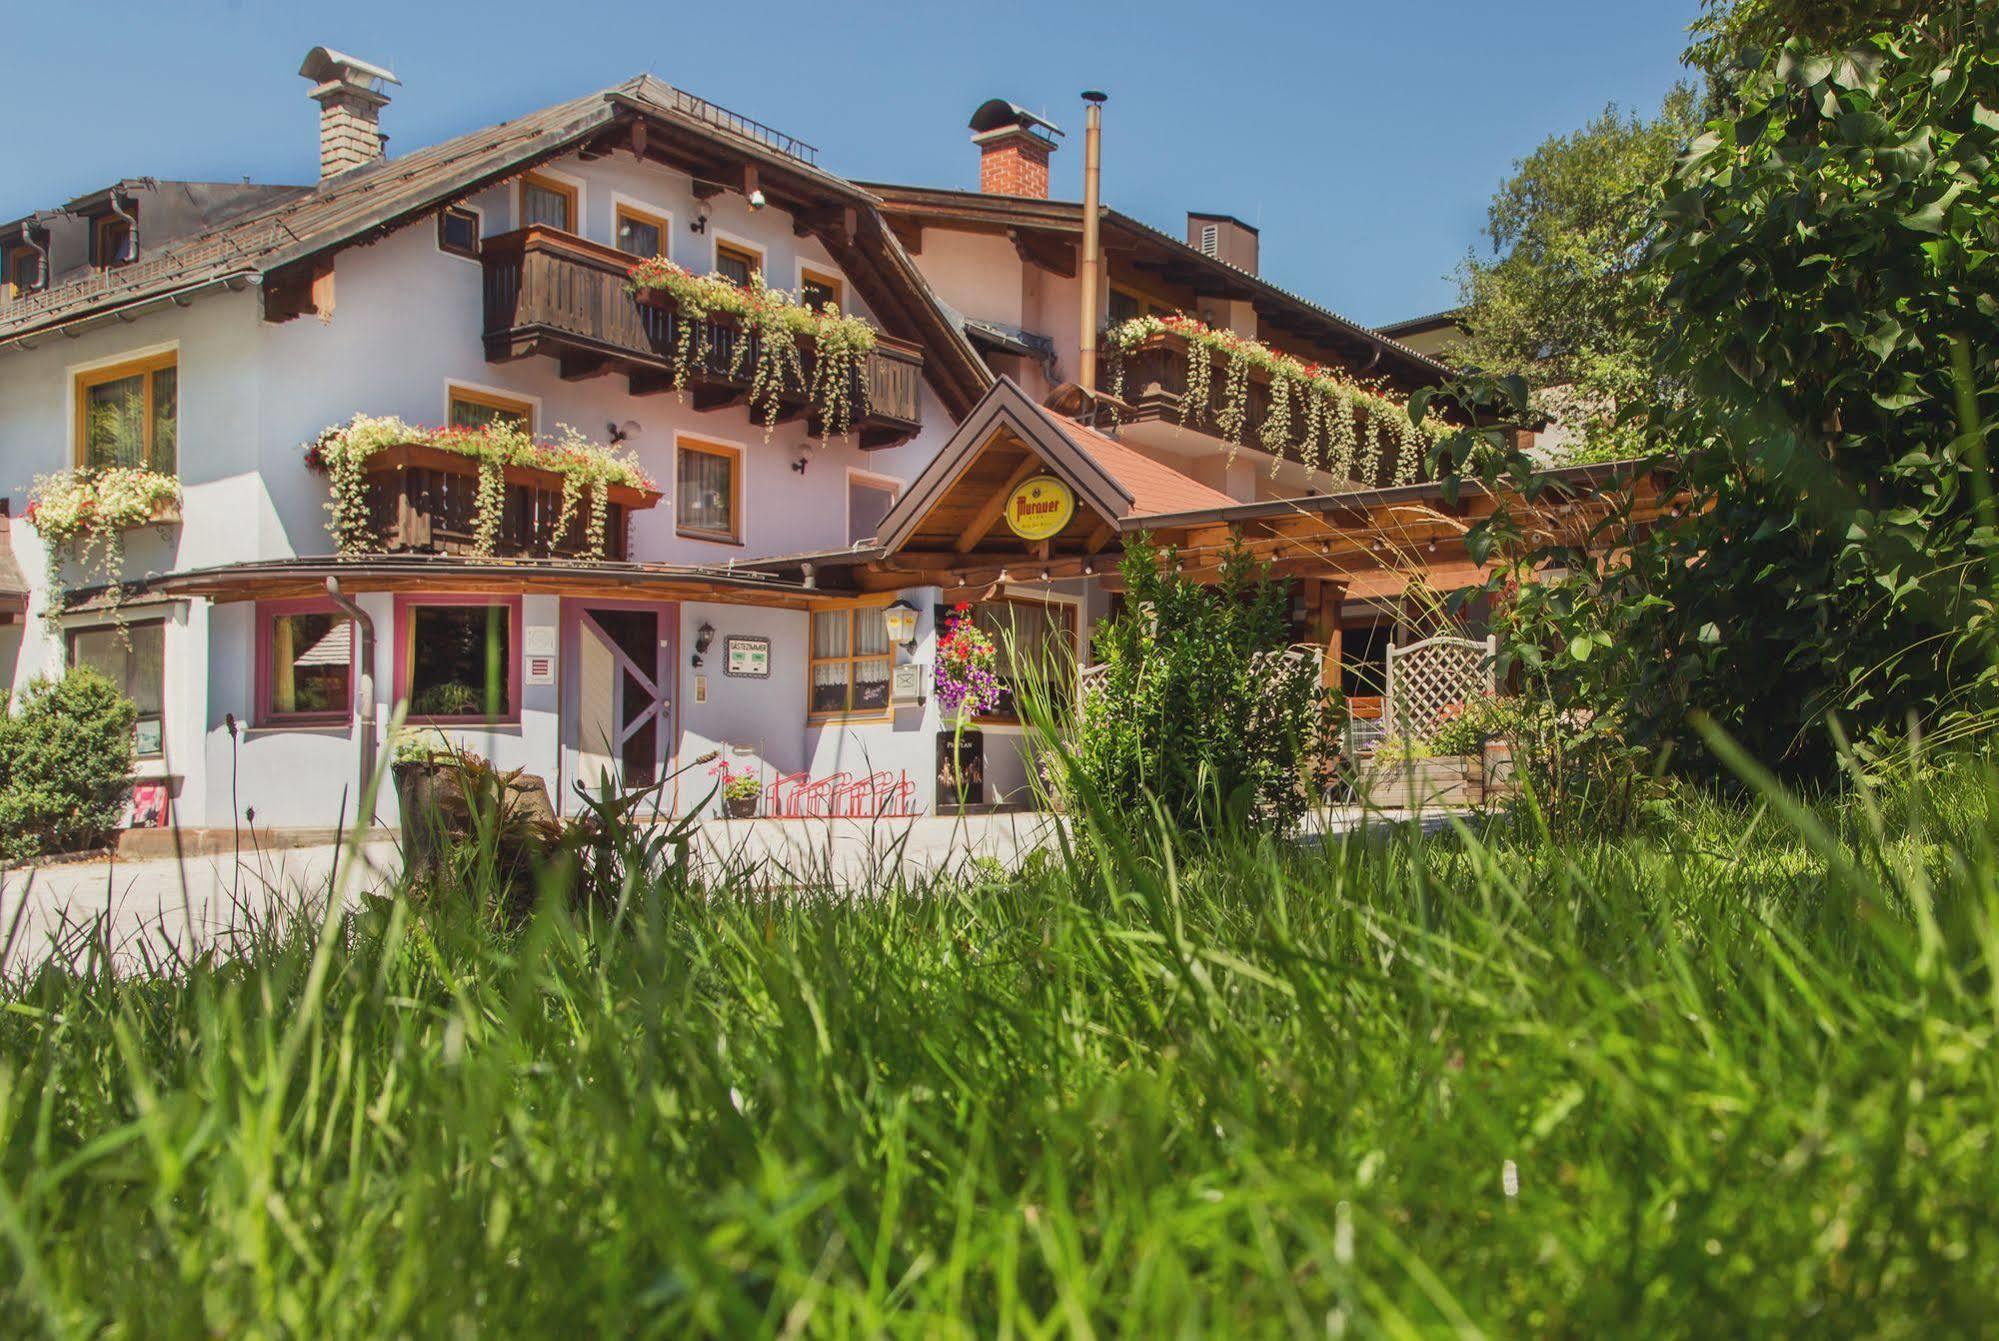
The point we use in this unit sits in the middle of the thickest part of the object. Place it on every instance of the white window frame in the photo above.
(894, 485)
(149, 767)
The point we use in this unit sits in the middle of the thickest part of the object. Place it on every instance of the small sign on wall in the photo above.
(748, 658)
(539, 640)
(537, 669)
(700, 689)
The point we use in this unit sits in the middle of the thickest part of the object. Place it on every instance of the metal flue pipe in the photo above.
(364, 690)
(1092, 268)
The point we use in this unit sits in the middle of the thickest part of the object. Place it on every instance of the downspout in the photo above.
(1093, 260)
(28, 241)
(131, 231)
(364, 691)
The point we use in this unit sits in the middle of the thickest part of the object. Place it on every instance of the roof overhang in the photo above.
(269, 579)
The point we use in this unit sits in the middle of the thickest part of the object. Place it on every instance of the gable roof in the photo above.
(1121, 485)
(367, 203)
(1063, 220)
(1154, 486)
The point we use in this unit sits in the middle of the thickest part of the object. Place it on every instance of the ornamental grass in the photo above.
(1735, 1078)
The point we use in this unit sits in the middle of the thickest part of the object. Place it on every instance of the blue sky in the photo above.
(1364, 138)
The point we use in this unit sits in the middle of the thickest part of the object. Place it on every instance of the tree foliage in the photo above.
(65, 763)
(1197, 706)
(1728, 29)
(1825, 258)
(1564, 300)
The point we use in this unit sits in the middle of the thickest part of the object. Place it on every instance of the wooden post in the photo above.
(1331, 596)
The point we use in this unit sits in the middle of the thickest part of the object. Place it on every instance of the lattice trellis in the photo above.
(1432, 681)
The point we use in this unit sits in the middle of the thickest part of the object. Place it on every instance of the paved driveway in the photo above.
(148, 913)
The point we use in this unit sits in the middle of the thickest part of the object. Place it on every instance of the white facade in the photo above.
(407, 324)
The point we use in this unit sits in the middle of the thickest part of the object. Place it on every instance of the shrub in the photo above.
(1196, 702)
(65, 763)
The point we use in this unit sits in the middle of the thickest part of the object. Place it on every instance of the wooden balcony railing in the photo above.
(425, 500)
(549, 292)
(1155, 386)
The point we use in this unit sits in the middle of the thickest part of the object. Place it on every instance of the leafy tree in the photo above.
(1198, 707)
(1826, 260)
(1728, 28)
(65, 763)
(1564, 301)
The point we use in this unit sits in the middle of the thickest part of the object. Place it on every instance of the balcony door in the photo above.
(617, 719)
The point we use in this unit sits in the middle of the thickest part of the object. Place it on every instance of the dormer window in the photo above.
(112, 242)
(25, 272)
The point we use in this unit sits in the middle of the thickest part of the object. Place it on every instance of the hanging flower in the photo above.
(82, 516)
(341, 453)
(1357, 421)
(966, 682)
(773, 322)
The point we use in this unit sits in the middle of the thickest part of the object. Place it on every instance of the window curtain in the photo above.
(546, 207)
(705, 484)
(115, 423)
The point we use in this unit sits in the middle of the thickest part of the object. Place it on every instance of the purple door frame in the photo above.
(663, 674)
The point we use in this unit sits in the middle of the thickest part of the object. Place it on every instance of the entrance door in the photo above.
(618, 700)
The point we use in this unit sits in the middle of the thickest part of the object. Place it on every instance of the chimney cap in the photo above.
(324, 65)
(998, 114)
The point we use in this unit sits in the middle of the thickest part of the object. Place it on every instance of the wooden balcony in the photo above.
(552, 293)
(422, 499)
(1155, 386)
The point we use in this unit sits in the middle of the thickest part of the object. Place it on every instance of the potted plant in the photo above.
(739, 796)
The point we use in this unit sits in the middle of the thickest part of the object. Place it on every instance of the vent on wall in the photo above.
(1211, 239)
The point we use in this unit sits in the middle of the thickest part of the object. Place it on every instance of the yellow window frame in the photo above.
(851, 660)
(143, 369)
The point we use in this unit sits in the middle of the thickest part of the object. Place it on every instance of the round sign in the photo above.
(1039, 508)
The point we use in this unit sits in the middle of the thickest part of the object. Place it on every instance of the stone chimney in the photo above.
(1014, 145)
(1224, 237)
(350, 95)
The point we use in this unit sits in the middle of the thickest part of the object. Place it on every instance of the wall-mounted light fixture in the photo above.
(900, 621)
(704, 638)
(757, 201)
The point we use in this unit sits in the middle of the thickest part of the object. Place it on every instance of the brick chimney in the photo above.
(1014, 145)
(350, 95)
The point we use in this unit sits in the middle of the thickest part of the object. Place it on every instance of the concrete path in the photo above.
(152, 913)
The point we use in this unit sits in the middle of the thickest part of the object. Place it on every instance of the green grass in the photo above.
(1734, 1080)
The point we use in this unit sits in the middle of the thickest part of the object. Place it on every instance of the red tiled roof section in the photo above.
(1154, 486)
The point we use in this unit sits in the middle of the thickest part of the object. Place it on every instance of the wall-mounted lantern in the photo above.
(704, 638)
(900, 621)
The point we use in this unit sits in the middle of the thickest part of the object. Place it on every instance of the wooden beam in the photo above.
(989, 513)
(908, 232)
(649, 383)
(581, 367)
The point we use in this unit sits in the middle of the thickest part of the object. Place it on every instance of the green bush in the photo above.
(1196, 705)
(65, 763)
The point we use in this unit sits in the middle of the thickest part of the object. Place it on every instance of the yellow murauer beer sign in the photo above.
(1039, 508)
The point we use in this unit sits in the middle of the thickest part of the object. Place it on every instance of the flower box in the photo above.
(425, 499)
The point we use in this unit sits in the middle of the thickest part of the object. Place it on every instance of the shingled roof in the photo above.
(367, 203)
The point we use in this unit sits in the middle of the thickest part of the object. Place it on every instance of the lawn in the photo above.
(1734, 1078)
